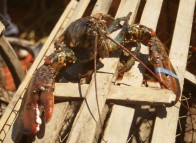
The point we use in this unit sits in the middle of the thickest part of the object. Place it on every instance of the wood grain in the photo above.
(179, 50)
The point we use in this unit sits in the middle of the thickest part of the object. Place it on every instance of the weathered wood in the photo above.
(136, 95)
(117, 94)
(120, 8)
(11, 60)
(66, 91)
(19, 93)
(101, 6)
(118, 127)
(116, 132)
(134, 77)
(189, 76)
(179, 50)
(84, 126)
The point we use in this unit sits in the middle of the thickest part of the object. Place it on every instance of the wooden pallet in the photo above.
(119, 121)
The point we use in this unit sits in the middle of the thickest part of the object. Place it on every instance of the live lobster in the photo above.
(83, 42)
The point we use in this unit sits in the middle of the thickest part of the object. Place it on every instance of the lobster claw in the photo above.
(163, 66)
(38, 101)
(47, 101)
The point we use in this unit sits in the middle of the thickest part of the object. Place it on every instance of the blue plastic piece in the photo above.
(162, 70)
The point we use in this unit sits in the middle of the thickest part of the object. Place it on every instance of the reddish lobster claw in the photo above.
(39, 97)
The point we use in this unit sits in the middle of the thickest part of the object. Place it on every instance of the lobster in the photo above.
(82, 43)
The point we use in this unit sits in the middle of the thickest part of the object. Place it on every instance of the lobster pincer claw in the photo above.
(163, 67)
(38, 101)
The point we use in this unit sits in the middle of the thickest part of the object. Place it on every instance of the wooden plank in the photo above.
(84, 126)
(66, 91)
(179, 50)
(131, 78)
(21, 89)
(12, 61)
(101, 6)
(118, 127)
(79, 11)
(112, 133)
(189, 76)
(118, 94)
(136, 95)
(134, 77)
(120, 7)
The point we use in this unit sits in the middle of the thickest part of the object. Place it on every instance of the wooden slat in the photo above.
(19, 93)
(84, 126)
(120, 8)
(118, 127)
(179, 50)
(118, 132)
(101, 6)
(134, 77)
(118, 94)
(79, 11)
(189, 76)
(66, 91)
(136, 95)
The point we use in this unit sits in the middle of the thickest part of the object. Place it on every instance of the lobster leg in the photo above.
(115, 25)
(130, 62)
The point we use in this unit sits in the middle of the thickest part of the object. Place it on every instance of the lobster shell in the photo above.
(37, 99)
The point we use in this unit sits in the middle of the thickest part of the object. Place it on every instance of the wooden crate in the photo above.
(80, 119)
